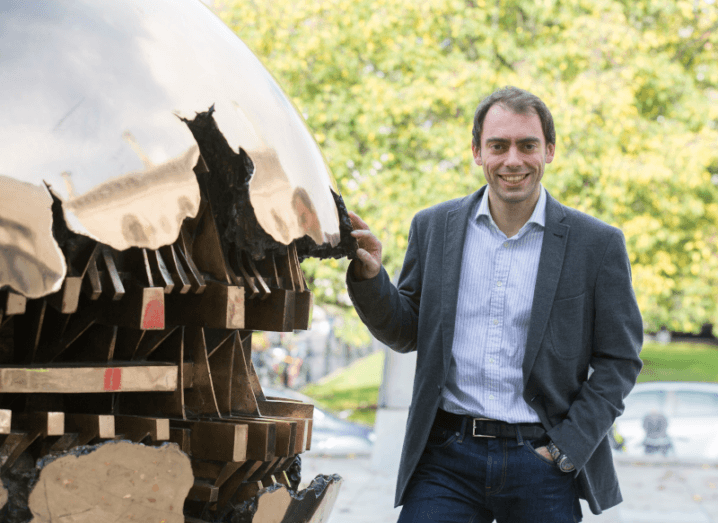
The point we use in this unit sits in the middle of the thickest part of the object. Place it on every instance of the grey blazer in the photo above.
(584, 315)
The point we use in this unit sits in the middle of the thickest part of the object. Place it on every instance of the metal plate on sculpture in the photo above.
(93, 111)
(277, 504)
(116, 481)
(88, 379)
(30, 260)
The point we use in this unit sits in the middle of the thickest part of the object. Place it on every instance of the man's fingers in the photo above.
(369, 248)
(364, 256)
(367, 257)
(366, 240)
(370, 265)
(544, 452)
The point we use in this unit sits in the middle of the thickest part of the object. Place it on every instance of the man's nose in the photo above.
(513, 159)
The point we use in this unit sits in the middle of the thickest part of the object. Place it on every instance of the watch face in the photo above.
(565, 465)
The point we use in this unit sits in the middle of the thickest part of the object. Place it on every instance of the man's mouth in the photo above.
(513, 178)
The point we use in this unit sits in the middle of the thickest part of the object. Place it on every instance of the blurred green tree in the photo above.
(389, 88)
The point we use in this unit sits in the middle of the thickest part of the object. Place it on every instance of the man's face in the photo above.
(513, 153)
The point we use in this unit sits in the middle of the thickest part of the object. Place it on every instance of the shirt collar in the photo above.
(538, 216)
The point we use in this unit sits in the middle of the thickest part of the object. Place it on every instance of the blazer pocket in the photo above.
(566, 325)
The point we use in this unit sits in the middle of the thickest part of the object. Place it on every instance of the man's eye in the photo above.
(497, 147)
(530, 146)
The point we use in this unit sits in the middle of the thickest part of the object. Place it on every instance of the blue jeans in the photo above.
(462, 479)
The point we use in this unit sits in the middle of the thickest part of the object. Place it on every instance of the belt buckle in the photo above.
(473, 431)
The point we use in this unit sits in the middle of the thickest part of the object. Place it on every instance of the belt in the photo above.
(488, 428)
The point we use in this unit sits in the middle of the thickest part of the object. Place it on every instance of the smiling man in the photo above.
(509, 298)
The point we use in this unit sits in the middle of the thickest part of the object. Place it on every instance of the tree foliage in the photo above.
(389, 88)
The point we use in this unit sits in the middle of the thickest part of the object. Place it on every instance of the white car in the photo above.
(691, 410)
(331, 435)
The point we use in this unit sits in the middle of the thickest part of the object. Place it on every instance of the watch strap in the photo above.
(562, 462)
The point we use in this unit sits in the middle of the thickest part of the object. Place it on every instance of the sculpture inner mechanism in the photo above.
(158, 191)
(154, 346)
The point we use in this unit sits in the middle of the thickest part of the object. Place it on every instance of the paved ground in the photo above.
(653, 492)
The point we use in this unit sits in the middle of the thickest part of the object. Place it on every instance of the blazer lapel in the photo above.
(549, 270)
(454, 234)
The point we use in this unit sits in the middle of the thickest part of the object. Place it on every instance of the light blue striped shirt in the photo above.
(496, 289)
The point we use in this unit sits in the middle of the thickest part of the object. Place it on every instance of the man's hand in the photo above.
(368, 263)
(545, 453)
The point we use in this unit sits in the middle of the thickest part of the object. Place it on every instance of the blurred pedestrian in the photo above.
(656, 441)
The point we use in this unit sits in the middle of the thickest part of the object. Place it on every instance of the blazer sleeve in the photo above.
(617, 341)
(390, 312)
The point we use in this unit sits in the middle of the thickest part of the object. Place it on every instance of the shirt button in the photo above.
(496, 322)
(491, 397)
(506, 244)
(491, 360)
(498, 284)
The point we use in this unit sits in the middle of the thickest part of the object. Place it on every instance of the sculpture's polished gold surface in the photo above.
(138, 209)
(92, 99)
(30, 260)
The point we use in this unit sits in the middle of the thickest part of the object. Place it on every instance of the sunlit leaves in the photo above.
(389, 88)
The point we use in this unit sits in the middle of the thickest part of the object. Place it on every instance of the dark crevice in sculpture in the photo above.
(301, 507)
(294, 472)
(18, 480)
(307, 248)
(75, 247)
(227, 186)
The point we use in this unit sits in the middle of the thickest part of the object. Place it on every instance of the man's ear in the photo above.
(477, 153)
(550, 150)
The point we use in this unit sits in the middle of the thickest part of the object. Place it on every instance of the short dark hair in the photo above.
(518, 101)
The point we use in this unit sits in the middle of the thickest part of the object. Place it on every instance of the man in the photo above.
(527, 332)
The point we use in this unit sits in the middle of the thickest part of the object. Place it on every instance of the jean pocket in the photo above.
(440, 437)
(548, 461)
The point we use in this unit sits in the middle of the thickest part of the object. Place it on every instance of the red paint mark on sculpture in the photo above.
(154, 315)
(113, 379)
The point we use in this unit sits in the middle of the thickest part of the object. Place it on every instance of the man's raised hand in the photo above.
(368, 263)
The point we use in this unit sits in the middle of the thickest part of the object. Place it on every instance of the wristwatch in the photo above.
(564, 464)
